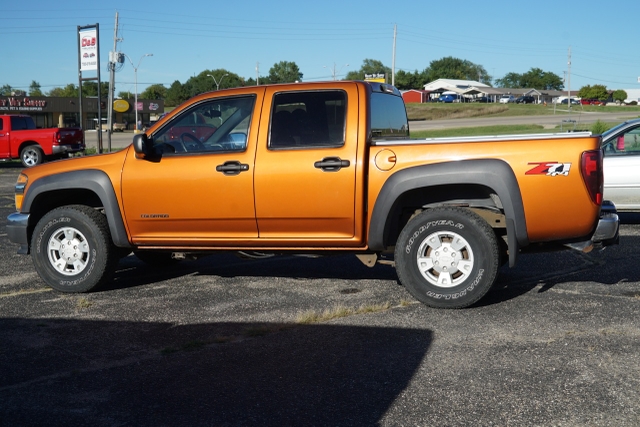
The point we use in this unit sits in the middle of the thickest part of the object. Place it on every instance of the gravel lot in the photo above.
(217, 342)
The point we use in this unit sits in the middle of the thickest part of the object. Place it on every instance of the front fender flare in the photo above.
(91, 179)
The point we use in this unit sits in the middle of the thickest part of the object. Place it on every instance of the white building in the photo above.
(632, 95)
(457, 86)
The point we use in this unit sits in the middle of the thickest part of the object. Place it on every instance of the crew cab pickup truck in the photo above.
(19, 138)
(314, 168)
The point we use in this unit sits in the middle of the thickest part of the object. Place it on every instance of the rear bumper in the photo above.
(71, 148)
(607, 231)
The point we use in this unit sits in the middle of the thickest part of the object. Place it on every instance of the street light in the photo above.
(135, 74)
(217, 82)
(333, 72)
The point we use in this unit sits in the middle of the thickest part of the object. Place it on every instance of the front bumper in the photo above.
(17, 225)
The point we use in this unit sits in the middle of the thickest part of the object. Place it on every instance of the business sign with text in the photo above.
(88, 50)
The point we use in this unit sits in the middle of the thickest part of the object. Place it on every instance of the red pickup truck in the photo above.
(19, 138)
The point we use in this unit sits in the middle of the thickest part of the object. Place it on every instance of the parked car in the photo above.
(526, 99)
(448, 98)
(573, 101)
(621, 146)
(483, 99)
(505, 99)
(591, 101)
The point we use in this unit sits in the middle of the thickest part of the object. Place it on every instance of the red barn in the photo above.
(415, 95)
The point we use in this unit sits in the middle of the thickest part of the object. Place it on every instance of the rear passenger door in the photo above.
(305, 173)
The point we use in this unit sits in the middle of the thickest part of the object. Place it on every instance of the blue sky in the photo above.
(189, 36)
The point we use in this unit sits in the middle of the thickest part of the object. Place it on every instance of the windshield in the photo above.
(614, 129)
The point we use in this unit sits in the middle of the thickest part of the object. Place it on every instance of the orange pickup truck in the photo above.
(318, 168)
(19, 138)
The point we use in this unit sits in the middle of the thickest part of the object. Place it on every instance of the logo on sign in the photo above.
(88, 41)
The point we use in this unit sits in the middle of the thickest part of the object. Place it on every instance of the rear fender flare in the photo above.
(492, 173)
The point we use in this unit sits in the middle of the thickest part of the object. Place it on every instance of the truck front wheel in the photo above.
(31, 155)
(72, 250)
(447, 257)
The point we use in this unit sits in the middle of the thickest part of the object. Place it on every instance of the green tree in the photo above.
(539, 79)
(126, 95)
(619, 95)
(34, 89)
(405, 80)
(69, 91)
(6, 90)
(156, 91)
(535, 78)
(455, 68)
(210, 80)
(369, 66)
(509, 80)
(594, 92)
(90, 88)
(176, 94)
(284, 72)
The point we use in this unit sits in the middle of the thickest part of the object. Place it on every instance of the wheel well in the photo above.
(27, 143)
(478, 198)
(50, 200)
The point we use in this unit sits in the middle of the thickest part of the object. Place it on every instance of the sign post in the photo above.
(89, 60)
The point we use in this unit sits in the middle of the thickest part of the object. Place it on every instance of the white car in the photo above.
(505, 99)
(621, 146)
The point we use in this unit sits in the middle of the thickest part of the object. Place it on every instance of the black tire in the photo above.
(77, 233)
(156, 259)
(447, 257)
(31, 155)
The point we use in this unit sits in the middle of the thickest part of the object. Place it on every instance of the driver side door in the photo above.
(200, 189)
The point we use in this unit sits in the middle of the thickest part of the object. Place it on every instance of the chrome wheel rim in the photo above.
(68, 251)
(445, 259)
(30, 157)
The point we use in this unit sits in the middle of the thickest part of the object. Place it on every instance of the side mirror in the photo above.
(142, 146)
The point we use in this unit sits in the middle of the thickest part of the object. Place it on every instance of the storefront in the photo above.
(50, 112)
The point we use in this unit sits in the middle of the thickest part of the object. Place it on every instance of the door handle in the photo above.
(232, 167)
(332, 164)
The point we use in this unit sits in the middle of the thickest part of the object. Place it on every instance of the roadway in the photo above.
(548, 121)
(120, 140)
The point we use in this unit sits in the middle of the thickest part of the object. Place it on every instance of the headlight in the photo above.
(19, 192)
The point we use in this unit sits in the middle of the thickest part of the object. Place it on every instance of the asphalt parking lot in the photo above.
(220, 342)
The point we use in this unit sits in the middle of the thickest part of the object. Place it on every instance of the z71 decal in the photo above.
(549, 168)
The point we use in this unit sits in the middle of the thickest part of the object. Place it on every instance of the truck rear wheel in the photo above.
(72, 250)
(31, 155)
(447, 257)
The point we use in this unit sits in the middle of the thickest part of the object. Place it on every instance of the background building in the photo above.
(50, 112)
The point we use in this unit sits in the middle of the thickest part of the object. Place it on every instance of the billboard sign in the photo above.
(88, 50)
(375, 77)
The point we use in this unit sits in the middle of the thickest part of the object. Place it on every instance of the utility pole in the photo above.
(393, 60)
(112, 78)
(569, 79)
(257, 73)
